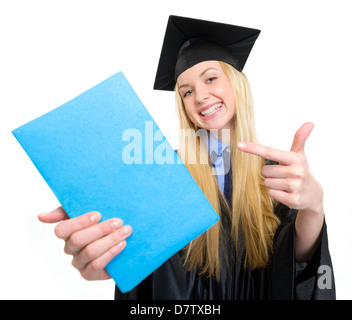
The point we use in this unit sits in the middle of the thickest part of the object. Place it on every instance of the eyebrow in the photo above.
(201, 75)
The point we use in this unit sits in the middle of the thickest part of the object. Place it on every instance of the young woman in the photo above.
(271, 241)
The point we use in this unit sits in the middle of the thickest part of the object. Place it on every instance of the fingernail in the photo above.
(121, 244)
(95, 217)
(116, 223)
(125, 230)
(241, 145)
(43, 214)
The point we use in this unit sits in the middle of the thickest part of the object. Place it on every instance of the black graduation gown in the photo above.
(283, 279)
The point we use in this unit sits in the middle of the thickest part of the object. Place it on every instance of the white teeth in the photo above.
(212, 109)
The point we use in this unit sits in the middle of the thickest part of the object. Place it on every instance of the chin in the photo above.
(215, 126)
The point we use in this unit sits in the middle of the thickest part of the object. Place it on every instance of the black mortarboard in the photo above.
(190, 41)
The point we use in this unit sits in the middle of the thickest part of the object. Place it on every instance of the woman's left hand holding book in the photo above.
(92, 244)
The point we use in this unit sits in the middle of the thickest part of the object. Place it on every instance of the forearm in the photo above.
(308, 227)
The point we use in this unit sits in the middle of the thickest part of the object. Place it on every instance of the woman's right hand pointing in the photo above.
(92, 244)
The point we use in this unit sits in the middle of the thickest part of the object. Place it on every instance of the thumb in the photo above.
(301, 136)
(56, 215)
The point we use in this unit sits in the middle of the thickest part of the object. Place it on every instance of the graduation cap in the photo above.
(190, 41)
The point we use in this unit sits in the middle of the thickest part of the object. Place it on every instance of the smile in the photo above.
(211, 110)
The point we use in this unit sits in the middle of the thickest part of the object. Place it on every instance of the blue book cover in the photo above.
(102, 151)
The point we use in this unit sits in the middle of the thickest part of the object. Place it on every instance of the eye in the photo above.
(211, 79)
(187, 93)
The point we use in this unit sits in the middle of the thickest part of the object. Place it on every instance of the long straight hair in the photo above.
(252, 215)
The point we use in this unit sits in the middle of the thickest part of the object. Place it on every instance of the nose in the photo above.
(201, 94)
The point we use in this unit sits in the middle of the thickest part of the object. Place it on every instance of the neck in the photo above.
(224, 135)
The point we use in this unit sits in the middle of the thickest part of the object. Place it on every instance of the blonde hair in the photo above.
(252, 217)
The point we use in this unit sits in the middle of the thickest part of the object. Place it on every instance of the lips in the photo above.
(211, 109)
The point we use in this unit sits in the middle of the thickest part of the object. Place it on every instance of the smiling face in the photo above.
(208, 96)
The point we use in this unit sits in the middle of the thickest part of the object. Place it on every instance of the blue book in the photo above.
(102, 151)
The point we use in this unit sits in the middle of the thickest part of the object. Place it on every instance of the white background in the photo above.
(300, 70)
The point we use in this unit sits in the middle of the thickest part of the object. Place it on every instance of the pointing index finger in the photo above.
(268, 153)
